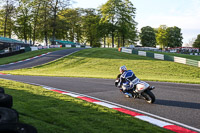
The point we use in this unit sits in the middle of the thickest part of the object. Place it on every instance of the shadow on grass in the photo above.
(178, 104)
(53, 112)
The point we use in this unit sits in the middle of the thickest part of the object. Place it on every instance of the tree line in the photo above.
(48, 20)
(165, 37)
(113, 23)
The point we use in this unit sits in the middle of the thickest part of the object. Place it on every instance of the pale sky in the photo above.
(184, 14)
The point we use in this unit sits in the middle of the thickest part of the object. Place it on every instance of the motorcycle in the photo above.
(141, 90)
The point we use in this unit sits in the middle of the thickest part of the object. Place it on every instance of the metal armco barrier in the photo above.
(162, 57)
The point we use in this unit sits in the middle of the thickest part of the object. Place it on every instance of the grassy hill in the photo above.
(105, 63)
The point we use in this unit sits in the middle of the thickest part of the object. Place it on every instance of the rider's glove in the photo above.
(116, 83)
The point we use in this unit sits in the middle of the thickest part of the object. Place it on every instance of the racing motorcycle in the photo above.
(141, 90)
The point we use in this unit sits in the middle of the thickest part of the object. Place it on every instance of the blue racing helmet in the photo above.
(122, 69)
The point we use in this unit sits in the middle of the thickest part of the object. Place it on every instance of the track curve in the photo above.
(41, 60)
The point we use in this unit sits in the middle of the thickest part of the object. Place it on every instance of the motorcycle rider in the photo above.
(127, 81)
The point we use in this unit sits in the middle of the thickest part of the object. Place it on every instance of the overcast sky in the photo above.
(184, 14)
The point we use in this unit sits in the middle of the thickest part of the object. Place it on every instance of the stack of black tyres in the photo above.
(9, 118)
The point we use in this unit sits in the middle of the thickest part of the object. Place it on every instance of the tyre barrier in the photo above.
(9, 118)
(2, 90)
(6, 100)
(8, 115)
(17, 128)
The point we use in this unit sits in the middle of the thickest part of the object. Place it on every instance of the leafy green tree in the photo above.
(109, 13)
(196, 43)
(104, 31)
(72, 24)
(174, 37)
(1, 22)
(6, 17)
(91, 22)
(44, 29)
(161, 36)
(36, 5)
(23, 28)
(126, 24)
(56, 6)
(148, 37)
(120, 14)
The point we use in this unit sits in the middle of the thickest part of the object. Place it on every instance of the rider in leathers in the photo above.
(127, 81)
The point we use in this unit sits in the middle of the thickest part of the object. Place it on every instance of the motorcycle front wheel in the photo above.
(148, 96)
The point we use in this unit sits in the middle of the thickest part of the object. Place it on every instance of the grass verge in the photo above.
(105, 63)
(26, 55)
(51, 112)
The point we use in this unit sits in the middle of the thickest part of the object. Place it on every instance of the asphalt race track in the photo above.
(42, 60)
(177, 102)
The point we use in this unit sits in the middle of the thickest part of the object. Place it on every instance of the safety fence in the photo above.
(56, 46)
(161, 57)
(77, 46)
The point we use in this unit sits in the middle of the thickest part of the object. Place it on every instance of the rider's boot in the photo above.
(134, 95)
(128, 95)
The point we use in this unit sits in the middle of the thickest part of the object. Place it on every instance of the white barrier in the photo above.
(162, 57)
(43, 47)
(142, 53)
(88, 47)
(180, 60)
(78, 46)
(68, 46)
(55, 46)
(34, 48)
(159, 56)
(127, 50)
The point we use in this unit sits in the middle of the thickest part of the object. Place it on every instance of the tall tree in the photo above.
(120, 14)
(72, 24)
(7, 12)
(174, 37)
(35, 13)
(56, 6)
(104, 31)
(161, 36)
(148, 37)
(23, 20)
(44, 21)
(126, 23)
(109, 13)
(91, 22)
(196, 43)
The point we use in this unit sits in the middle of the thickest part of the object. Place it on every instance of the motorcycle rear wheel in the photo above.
(149, 96)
